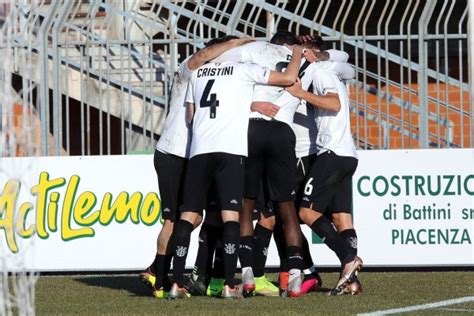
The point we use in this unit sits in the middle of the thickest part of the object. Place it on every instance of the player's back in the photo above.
(174, 138)
(222, 94)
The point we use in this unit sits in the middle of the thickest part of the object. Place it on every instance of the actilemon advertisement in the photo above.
(101, 213)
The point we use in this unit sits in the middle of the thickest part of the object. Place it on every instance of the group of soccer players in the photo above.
(256, 121)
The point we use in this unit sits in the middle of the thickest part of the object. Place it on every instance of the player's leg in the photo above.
(342, 216)
(262, 236)
(230, 184)
(216, 284)
(253, 176)
(171, 168)
(210, 233)
(196, 185)
(281, 169)
(317, 199)
(312, 280)
(279, 238)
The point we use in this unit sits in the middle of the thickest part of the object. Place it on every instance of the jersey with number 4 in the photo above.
(222, 94)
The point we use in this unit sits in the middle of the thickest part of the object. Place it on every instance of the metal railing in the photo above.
(93, 77)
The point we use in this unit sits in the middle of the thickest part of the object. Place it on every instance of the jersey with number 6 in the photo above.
(222, 94)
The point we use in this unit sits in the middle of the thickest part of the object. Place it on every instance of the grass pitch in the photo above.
(126, 295)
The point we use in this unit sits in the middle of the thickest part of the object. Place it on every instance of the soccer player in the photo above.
(328, 185)
(271, 152)
(305, 129)
(170, 158)
(220, 94)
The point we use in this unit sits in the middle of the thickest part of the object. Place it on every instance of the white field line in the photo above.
(457, 310)
(420, 307)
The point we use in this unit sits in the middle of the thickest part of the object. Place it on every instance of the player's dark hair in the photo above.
(284, 37)
(221, 39)
(317, 43)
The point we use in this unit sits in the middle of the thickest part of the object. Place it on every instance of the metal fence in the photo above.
(93, 77)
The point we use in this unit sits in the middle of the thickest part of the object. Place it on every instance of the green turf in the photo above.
(125, 295)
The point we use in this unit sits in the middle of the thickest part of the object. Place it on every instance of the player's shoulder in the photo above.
(264, 48)
(324, 72)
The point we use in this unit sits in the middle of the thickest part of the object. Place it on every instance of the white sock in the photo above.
(294, 280)
(247, 275)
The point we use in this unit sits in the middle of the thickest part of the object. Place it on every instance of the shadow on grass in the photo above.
(130, 284)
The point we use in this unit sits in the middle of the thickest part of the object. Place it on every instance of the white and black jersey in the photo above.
(175, 138)
(222, 94)
(275, 57)
(334, 128)
(304, 122)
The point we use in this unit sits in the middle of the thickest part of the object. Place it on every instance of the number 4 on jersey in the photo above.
(212, 102)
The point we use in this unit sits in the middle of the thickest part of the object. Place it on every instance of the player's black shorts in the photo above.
(329, 184)
(226, 170)
(271, 153)
(303, 167)
(170, 171)
(263, 205)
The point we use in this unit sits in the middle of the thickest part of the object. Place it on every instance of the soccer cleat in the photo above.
(248, 283)
(148, 278)
(231, 293)
(177, 292)
(353, 286)
(348, 273)
(196, 285)
(264, 287)
(311, 283)
(294, 287)
(283, 278)
(159, 293)
(215, 287)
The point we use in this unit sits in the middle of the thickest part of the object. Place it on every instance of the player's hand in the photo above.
(298, 49)
(266, 108)
(306, 38)
(295, 89)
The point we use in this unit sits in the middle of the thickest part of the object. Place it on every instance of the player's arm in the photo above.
(189, 100)
(344, 70)
(332, 55)
(208, 53)
(190, 113)
(288, 77)
(329, 101)
(266, 108)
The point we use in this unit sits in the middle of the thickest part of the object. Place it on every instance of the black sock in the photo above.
(181, 236)
(167, 263)
(295, 258)
(230, 240)
(208, 236)
(153, 264)
(350, 238)
(323, 227)
(308, 261)
(246, 251)
(218, 269)
(159, 270)
(279, 237)
(262, 237)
